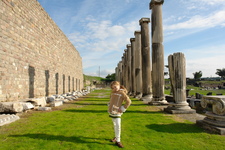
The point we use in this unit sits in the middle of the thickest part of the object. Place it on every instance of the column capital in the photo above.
(143, 20)
(137, 32)
(155, 2)
(125, 50)
(128, 45)
(132, 39)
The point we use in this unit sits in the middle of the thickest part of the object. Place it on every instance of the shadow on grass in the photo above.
(103, 104)
(85, 111)
(73, 139)
(97, 100)
(139, 104)
(175, 128)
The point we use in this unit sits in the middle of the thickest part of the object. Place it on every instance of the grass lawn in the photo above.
(84, 124)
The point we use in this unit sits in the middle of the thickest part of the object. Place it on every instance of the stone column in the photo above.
(129, 68)
(126, 69)
(138, 63)
(146, 66)
(177, 72)
(116, 72)
(132, 41)
(120, 71)
(157, 53)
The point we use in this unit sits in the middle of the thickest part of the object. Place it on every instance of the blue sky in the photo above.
(101, 29)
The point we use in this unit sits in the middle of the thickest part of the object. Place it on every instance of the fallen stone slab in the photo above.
(71, 98)
(79, 94)
(7, 118)
(27, 105)
(11, 107)
(65, 100)
(37, 101)
(56, 103)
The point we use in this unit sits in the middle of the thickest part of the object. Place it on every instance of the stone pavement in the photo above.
(190, 117)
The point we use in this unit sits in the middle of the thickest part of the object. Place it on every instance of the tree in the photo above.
(111, 77)
(166, 73)
(221, 72)
(197, 75)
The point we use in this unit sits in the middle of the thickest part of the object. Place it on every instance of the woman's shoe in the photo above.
(119, 144)
(113, 140)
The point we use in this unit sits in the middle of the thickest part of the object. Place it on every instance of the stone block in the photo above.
(56, 103)
(182, 108)
(211, 128)
(217, 102)
(11, 107)
(27, 105)
(50, 99)
(38, 101)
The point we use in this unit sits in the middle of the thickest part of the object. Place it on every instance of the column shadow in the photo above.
(74, 139)
(175, 128)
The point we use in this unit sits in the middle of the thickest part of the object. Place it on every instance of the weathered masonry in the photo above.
(36, 58)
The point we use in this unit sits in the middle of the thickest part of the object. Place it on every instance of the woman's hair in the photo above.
(124, 89)
(118, 83)
(114, 83)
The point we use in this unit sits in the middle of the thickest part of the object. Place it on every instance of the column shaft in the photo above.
(146, 66)
(138, 63)
(129, 69)
(132, 41)
(157, 53)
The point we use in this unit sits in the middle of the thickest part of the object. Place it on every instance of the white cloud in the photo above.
(214, 19)
(205, 59)
(211, 2)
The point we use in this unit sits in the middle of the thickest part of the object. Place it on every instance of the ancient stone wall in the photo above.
(36, 58)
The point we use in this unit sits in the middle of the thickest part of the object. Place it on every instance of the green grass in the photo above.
(199, 90)
(204, 92)
(92, 78)
(84, 125)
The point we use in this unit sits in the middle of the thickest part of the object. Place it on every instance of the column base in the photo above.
(180, 108)
(130, 94)
(138, 96)
(158, 101)
(213, 123)
(147, 98)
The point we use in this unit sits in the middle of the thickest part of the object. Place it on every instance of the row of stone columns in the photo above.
(143, 77)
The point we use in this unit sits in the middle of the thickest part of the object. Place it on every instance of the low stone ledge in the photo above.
(6, 119)
(211, 128)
